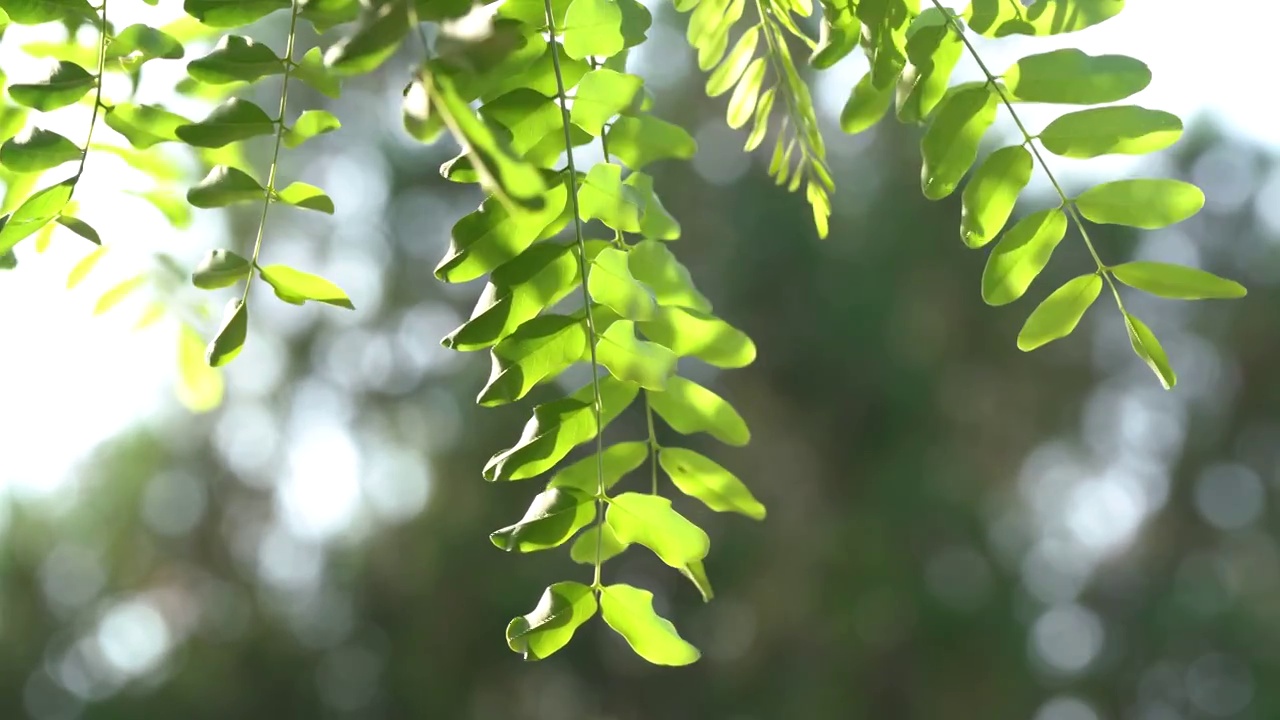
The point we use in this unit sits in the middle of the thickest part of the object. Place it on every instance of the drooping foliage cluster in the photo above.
(577, 260)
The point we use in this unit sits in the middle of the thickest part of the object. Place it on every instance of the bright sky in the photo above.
(73, 380)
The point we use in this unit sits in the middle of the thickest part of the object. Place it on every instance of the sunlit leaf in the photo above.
(611, 283)
(616, 461)
(37, 151)
(295, 287)
(1176, 281)
(117, 293)
(231, 13)
(219, 269)
(989, 197)
(66, 84)
(638, 141)
(141, 43)
(1073, 77)
(144, 125)
(537, 351)
(1060, 313)
(701, 477)
(649, 520)
(1147, 347)
(1119, 130)
(596, 544)
(669, 281)
(224, 186)
(1144, 203)
(34, 213)
(231, 335)
(690, 408)
(866, 105)
(307, 197)
(553, 517)
(593, 28)
(236, 59)
(691, 333)
(602, 94)
(627, 358)
(1020, 255)
(563, 608)
(232, 121)
(199, 386)
(629, 611)
(950, 145)
(602, 196)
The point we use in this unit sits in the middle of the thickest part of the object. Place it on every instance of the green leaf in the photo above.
(593, 28)
(307, 197)
(142, 43)
(65, 85)
(584, 550)
(553, 517)
(200, 387)
(144, 125)
(1073, 77)
(80, 227)
(219, 269)
(231, 13)
(232, 121)
(176, 209)
(735, 64)
(1145, 203)
(950, 145)
(690, 408)
(533, 12)
(84, 266)
(310, 124)
(375, 39)
(697, 574)
(224, 186)
(611, 284)
(295, 287)
(1060, 313)
(655, 222)
(12, 120)
(742, 104)
(629, 611)
(602, 94)
(654, 265)
(236, 59)
(1177, 281)
(1119, 130)
(649, 520)
(118, 293)
(838, 35)
(992, 192)
(34, 213)
(700, 477)
(563, 608)
(511, 180)
(866, 105)
(529, 115)
(688, 332)
(618, 460)
(1001, 18)
(312, 71)
(932, 52)
(558, 427)
(1020, 255)
(646, 364)
(37, 151)
(517, 291)
(496, 234)
(638, 141)
(34, 12)
(603, 197)
(536, 352)
(1147, 346)
(231, 336)
(760, 123)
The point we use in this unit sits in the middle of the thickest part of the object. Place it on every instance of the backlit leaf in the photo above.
(1020, 255)
(232, 121)
(307, 197)
(1073, 77)
(688, 332)
(224, 186)
(629, 611)
(593, 28)
(231, 335)
(1119, 130)
(1177, 281)
(144, 125)
(34, 213)
(219, 269)
(649, 520)
(656, 266)
(537, 351)
(496, 234)
(604, 197)
(1145, 203)
(231, 13)
(553, 517)
(866, 105)
(742, 104)
(611, 283)
(602, 94)
(65, 85)
(950, 145)
(690, 408)
(1060, 313)
(236, 59)
(1148, 347)
(618, 460)
(992, 192)
(295, 286)
(629, 359)
(37, 151)
(563, 608)
(698, 476)
(587, 549)
(638, 141)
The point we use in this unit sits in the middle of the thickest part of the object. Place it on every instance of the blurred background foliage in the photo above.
(956, 529)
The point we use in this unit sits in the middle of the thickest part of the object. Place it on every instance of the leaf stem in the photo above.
(97, 97)
(1029, 141)
(586, 294)
(275, 155)
(653, 445)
